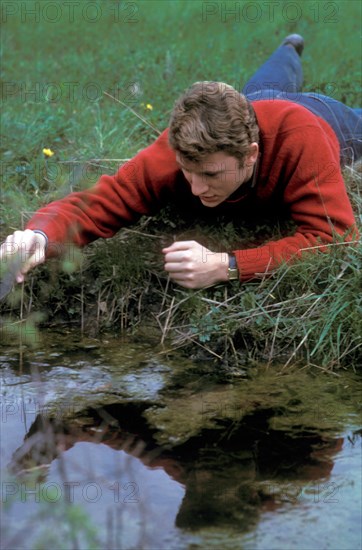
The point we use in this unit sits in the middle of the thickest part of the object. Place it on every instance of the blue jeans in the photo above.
(281, 77)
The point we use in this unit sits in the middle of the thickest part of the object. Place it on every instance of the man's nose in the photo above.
(198, 184)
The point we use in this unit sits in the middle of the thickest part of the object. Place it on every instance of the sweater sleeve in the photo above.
(138, 188)
(315, 195)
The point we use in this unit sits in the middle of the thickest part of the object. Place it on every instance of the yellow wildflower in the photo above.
(149, 107)
(48, 152)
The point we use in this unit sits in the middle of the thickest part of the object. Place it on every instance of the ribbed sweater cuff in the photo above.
(254, 261)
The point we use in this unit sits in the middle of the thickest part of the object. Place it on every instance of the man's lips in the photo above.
(208, 198)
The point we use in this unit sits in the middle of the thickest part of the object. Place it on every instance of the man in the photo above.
(272, 147)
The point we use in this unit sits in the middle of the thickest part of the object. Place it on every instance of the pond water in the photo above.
(103, 446)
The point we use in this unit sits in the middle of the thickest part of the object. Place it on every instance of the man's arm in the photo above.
(81, 217)
(114, 202)
(315, 195)
(302, 168)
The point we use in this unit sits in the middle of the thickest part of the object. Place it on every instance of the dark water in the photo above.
(115, 469)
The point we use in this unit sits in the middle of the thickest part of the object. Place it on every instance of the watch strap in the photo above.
(233, 271)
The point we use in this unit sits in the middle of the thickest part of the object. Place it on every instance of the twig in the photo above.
(90, 161)
(296, 349)
(134, 112)
(127, 230)
(201, 346)
(274, 336)
(165, 328)
(164, 295)
(329, 245)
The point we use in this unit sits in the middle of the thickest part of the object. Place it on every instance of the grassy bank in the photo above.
(56, 66)
(309, 311)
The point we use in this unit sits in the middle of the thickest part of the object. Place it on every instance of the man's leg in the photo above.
(345, 121)
(281, 78)
(281, 72)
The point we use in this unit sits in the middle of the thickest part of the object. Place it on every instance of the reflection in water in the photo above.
(241, 461)
(229, 476)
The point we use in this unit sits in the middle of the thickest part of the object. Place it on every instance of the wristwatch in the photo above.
(233, 272)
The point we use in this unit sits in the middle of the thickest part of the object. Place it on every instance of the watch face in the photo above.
(233, 274)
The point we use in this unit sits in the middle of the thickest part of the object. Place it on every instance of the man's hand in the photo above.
(30, 246)
(193, 266)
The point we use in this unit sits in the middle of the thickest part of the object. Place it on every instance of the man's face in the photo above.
(216, 177)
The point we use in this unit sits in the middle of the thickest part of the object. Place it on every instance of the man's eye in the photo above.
(209, 175)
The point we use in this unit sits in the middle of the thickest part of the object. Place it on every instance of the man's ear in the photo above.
(253, 154)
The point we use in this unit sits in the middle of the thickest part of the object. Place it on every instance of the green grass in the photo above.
(53, 78)
(54, 74)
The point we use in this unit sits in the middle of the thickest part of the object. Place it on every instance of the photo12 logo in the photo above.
(69, 92)
(70, 491)
(69, 11)
(21, 409)
(252, 12)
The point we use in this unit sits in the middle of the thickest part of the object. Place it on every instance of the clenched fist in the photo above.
(192, 265)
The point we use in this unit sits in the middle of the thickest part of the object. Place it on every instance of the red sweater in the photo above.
(299, 168)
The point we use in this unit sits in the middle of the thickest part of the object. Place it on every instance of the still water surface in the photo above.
(100, 479)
